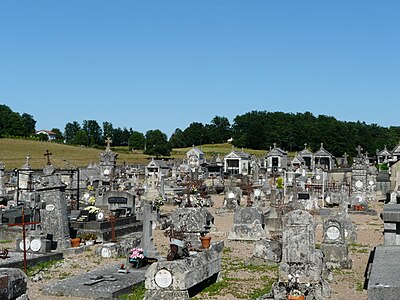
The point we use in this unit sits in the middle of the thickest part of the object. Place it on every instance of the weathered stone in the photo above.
(173, 279)
(248, 224)
(268, 250)
(13, 283)
(383, 283)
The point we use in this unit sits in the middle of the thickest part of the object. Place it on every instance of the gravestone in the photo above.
(248, 224)
(53, 212)
(334, 246)
(149, 218)
(13, 283)
(2, 188)
(192, 221)
(391, 219)
(269, 250)
(300, 259)
(232, 198)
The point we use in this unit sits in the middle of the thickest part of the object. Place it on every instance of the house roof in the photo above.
(396, 149)
(276, 151)
(384, 152)
(305, 151)
(46, 132)
(238, 154)
(158, 163)
(195, 150)
(322, 152)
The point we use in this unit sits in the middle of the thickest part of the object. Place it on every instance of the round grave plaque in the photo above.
(106, 172)
(359, 184)
(105, 252)
(100, 216)
(36, 244)
(50, 207)
(231, 195)
(163, 278)
(318, 177)
(333, 233)
(27, 244)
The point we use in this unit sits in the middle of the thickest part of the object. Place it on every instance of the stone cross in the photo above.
(108, 141)
(148, 218)
(26, 165)
(345, 156)
(48, 153)
(359, 149)
(305, 146)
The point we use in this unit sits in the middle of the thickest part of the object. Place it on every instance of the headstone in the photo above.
(248, 224)
(391, 225)
(300, 259)
(13, 283)
(53, 211)
(334, 246)
(149, 218)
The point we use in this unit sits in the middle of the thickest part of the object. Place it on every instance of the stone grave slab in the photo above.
(104, 283)
(384, 281)
(16, 259)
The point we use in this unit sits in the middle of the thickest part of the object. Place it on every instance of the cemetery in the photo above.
(303, 226)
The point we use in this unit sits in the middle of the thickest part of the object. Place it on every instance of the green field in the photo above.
(13, 154)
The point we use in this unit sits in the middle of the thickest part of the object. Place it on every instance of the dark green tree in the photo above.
(70, 131)
(93, 131)
(220, 130)
(157, 143)
(108, 131)
(136, 141)
(59, 136)
(29, 124)
(177, 139)
(81, 138)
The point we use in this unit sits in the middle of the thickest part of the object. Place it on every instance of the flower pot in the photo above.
(296, 297)
(75, 242)
(89, 242)
(136, 262)
(205, 241)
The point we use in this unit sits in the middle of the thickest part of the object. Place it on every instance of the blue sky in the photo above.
(164, 64)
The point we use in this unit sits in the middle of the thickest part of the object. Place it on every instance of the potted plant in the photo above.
(89, 238)
(295, 294)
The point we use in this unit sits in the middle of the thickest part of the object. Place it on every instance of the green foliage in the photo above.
(13, 124)
(137, 293)
(136, 141)
(157, 143)
(31, 271)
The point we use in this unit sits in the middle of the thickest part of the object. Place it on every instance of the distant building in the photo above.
(50, 134)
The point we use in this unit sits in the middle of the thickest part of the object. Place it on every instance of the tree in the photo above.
(136, 141)
(108, 131)
(93, 131)
(81, 138)
(157, 143)
(70, 131)
(196, 134)
(59, 136)
(177, 139)
(220, 130)
(28, 123)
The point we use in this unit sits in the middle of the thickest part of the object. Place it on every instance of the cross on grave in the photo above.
(97, 279)
(148, 217)
(108, 142)
(23, 224)
(27, 166)
(48, 153)
(305, 146)
(112, 219)
(359, 149)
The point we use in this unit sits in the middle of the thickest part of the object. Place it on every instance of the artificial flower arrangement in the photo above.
(136, 258)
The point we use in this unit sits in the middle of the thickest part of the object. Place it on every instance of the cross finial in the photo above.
(322, 145)
(274, 145)
(108, 141)
(305, 146)
(48, 153)
(345, 155)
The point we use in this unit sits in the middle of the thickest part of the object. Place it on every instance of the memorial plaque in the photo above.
(163, 278)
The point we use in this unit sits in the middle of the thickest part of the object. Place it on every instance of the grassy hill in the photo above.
(13, 154)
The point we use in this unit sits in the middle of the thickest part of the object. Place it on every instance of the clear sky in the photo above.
(165, 64)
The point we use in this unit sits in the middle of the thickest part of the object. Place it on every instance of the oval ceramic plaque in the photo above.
(27, 244)
(105, 252)
(359, 184)
(333, 233)
(100, 216)
(36, 244)
(50, 207)
(163, 278)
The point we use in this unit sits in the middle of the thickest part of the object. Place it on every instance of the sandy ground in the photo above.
(346, 285)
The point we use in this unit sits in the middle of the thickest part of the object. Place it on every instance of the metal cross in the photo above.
(48, 153)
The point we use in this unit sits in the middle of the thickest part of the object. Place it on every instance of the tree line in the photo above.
(255, 130)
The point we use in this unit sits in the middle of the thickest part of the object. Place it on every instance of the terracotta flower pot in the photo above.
(75, 242)
(205, 241)
(296, 297)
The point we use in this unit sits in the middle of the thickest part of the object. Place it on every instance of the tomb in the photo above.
(248, 224)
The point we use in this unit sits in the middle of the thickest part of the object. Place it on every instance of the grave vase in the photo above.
(136, 262)
(75, 242)
(205, 241)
